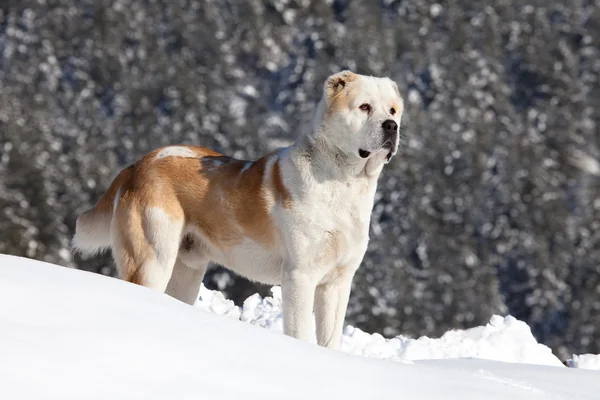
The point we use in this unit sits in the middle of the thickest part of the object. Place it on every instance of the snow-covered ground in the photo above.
(502, 339)
(68, 334)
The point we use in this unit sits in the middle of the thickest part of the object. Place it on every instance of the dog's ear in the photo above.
(337, 82)
(395, 86)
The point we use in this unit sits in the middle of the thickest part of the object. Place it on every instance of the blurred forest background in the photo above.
(491, 206)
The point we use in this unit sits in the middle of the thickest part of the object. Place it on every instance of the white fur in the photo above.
(340, 206)
(175, 151)
(185, 281)
(333, 191)
(92, 233)
(164, 234)
(352, 129)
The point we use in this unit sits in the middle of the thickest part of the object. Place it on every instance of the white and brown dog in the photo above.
(298, 217)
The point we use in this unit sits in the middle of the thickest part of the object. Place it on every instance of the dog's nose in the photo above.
(390, 127)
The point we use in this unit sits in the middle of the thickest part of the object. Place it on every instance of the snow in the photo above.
(585, 361)
(70, 334)
(502, 339)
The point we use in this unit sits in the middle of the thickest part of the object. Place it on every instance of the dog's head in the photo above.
(361, 114)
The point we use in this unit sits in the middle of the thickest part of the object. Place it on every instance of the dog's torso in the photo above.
(259, 218)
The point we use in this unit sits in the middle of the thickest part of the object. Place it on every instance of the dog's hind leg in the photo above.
(185, 281)
(145, 242)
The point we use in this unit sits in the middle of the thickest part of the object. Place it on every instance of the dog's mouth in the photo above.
(387, 145)
(391, 146)
(363, 153)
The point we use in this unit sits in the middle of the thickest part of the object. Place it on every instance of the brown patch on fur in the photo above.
(209, 191)
(133, 250)
(399, 107)
(250, 199)
(341, 100)
(136, 277)
(105, 204)
(220, 200)
(283, 194)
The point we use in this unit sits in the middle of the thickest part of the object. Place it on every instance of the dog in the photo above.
(298, 217)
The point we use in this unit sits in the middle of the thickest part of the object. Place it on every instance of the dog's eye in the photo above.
(392, 111)
(365, 107)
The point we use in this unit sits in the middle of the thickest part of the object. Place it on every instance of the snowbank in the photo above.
(68, 334)
(502, 339)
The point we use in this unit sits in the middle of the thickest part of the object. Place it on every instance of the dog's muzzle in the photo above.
(390, 137)
(390, 140)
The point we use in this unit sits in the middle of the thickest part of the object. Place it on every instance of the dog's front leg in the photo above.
(298, 291)
(331, 301)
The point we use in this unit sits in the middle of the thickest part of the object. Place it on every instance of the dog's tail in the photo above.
(92, 229)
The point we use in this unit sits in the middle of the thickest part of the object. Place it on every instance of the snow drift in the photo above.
(502, 339)
(69, 334)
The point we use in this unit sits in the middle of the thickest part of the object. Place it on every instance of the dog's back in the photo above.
(187, 201)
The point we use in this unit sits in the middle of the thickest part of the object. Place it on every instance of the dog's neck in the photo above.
(328, 162)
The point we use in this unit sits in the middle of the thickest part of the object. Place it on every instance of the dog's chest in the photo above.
(339, 217)
(347, 208)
